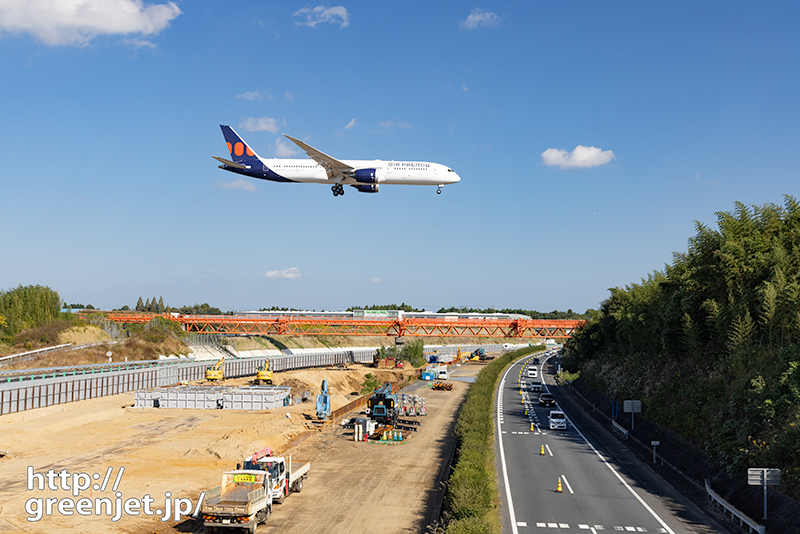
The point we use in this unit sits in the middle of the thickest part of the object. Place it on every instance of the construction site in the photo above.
(163, 459)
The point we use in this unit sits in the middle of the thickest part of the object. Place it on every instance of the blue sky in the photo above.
(589, 137)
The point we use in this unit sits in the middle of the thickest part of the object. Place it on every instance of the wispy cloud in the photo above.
(375, 280)
(239, 183)
(291, 272)
(350, 124)
(479, 18)
(284, 149)
(316, 15)
(288, 97)
(254, 95)
(77, 22)
(581, 158)
(391, 125)
(261, 124)
(140, 43)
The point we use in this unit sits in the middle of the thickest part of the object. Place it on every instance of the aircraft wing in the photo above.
(333, 166)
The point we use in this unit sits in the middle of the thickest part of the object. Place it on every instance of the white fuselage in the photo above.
(387, 172)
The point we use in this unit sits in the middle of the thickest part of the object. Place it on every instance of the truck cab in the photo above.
(533, 372)
(284, 478)
(442, 374)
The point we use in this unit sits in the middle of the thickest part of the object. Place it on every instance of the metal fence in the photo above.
(51, 389)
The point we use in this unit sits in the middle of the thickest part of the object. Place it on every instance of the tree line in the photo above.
(25, 307)
(710, 344)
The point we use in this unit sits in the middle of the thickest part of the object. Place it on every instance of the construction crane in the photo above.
(217, 371)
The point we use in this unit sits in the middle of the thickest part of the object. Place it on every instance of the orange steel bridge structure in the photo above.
(299, 325)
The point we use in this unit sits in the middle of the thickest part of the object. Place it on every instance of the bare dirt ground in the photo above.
(352, 487)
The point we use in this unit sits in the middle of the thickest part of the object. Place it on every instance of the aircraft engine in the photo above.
(371, 188)
(367, 176)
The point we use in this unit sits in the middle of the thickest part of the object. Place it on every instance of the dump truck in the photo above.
(217, 372)
(286, 477)
(241, 501)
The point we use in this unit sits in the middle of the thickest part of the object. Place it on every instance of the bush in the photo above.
(471, 501)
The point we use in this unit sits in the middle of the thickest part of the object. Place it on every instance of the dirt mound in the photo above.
(81, 335)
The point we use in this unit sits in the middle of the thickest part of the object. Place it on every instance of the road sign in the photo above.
(764, 476)
(761, 476)
(632, 406)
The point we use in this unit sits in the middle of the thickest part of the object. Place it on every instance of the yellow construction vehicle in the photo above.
(217, 371)
(264, 374)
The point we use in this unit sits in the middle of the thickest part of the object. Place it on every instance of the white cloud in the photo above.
(288, 97)
(480, 18)
(77, 22)
(252, 124)
(250, 95)
(291, 272)
(316, 15)
(464, 88)
(350, 124)
(140, 43)
(395, 124)
(283, 149)
(239, 183)
(375, 280)
(580, 158)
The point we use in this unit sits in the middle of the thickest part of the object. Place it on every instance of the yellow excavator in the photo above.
(264, 374)
(217, 371)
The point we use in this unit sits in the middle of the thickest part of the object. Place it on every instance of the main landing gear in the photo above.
(439, 191)
(337, 189)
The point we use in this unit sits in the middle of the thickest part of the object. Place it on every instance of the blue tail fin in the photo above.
(239, 150)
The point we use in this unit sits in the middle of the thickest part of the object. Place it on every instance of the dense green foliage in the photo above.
(404, 307)
(472, 501)
(710, 345)
(26, 307)
(412, 353)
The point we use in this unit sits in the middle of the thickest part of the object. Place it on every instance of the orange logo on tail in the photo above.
(230, 147)
(238, 149)
(249, 152)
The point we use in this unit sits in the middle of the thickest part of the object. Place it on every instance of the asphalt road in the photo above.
(597, 494)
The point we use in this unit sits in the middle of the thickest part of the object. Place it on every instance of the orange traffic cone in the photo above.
(541, 453)
(558, 489)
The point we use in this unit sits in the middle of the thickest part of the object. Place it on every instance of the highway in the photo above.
(596, 495)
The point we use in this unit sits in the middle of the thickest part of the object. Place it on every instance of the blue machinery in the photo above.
(324, 402)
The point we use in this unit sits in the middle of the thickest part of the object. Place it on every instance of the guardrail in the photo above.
(752, 526)
(37, 351)
(621, 430)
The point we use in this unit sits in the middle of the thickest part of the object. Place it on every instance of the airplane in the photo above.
(364, 175)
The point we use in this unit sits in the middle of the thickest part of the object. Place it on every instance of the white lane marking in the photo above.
(546, 446)
(566, 483)
(624, 483)
(512, 515)
(563, 525)
(522, 524)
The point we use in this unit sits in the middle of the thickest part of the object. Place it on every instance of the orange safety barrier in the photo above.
(337, 326)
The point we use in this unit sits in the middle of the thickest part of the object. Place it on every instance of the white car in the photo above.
(557, 420)
(533, 372)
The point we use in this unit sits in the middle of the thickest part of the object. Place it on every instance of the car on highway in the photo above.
(536, 385)
(535, 361)
(533, 372)
(547, 399)
(557, 420)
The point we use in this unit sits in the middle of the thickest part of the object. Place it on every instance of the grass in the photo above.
(472, 497)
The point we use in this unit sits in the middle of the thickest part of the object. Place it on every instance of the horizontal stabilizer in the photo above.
(229, 163)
